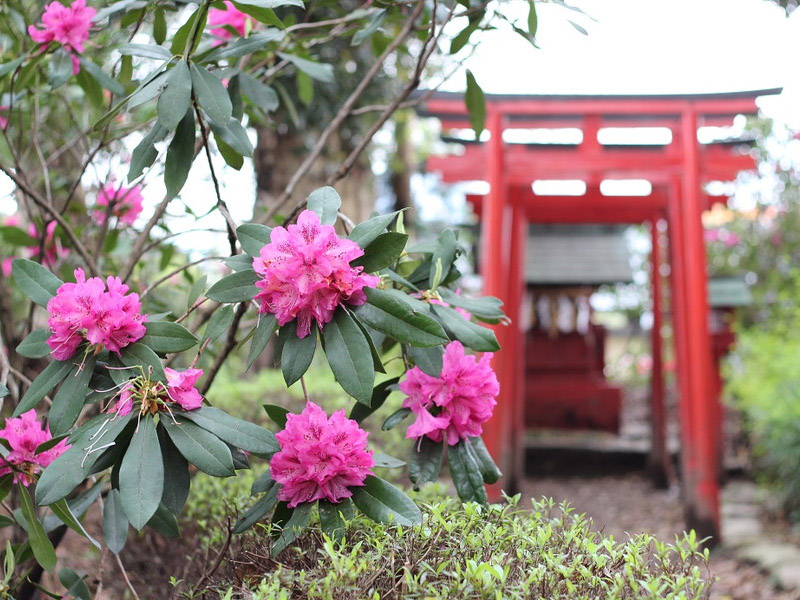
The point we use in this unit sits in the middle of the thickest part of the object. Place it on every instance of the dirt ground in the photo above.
(622, 504)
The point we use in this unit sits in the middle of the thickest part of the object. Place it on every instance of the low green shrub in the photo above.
(468, 552)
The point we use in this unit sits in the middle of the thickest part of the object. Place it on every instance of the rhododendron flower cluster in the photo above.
(126, 203)
(306, 273)
(67, 25)
(320, 457)
(230, 17)
(24, 434)
(456, 404)
(103, 314)
(153, 396)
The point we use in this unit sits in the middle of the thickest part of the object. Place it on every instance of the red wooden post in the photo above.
(658, 419)
(494, 269)
(703, 513)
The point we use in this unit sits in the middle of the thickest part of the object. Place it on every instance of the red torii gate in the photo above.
(677, 171)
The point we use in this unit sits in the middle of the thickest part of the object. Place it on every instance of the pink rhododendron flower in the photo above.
(456, 404)
(107, 318)
(179, 389)
(3, 120)
(231, 17)
(24, 434)
(126, 203)
(306, 273)
(320, 457)
(67, 25)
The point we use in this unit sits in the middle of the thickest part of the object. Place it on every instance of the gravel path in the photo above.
(621, 504)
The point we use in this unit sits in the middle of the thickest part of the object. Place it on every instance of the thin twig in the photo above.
(180, 269)
(125, 576)
(217, 560)
(303, 385)
(230, 344)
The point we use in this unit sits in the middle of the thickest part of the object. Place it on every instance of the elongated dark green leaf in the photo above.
(476, 104)
(145, 152)
(382, 252)
(239, 262)
(180, 155)
(198, 287)
(141, 475)
(166, 337)
(219, 322)
(231, 156)
(212, 95)
(36, 282)
(181, 45)
(393, 419)
(71, 396)
(380, 393)
(35, 345)
(427, 359)
(137, 355)
(74, 584)
(426, 461)
(489, 470)
(253, 237)
(201, 448)
(349, 356)
(52, 375)
(254, 514)
(297, 353)
(480, 339)
(145, 51)
(235, 136)
(462, 38)
(176, 99)
(381, 459)
(4, 391)
(292, 527)
(159, 25)
(371, 27)
(384, 503)
(315, 70)
(16, 236)
(263, 484)
(115, 523)
(271, 3)
(466, 474)
(393, 313)
(267, 324)
(240, 434)
(364, 233)
(259, 94)
(486, 308)
(40, 544)
(247, 45)
(164, 522)
(11, 65)
(377, 362)
(325, 202)
(176, 474)
(332, 516)
(62, 510)
(145, 93)
(262, 15)
(60, 68)
(533, 19)
(238, 287)
(277, 414)
(100, 76)
(443, 256)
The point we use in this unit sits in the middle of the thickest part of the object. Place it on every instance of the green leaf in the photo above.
(277, 414)
(62, 510)
(383, 460)
(489, 470)
(262, 15)
(235, 136)
(332, 516)
(260, 94)
(164, 522)
(292, 527)
(36, 282)
(41, 545)
(377, 362)
(198, 287)
(305, 88)
(60, 69)
(380, 393)
(159, 26)
(138, 354)
(74, 584)
(315, 70)
(325, 202)
(371, 27)
(247, 45)
(533, 19)
(426, 461)
(52, 375)
(486, 308)
(176, 99)
(349, 356)
(393, 419)
(219, 322)
(263, 484)
(115, 523)
(462, 38)
(578, 28)
(395, 314)
(145, 51)
(429, 360)
(165, 337)
(238, 287)
(466, 474)
(145, 152)
(11, 66)
(180, 42)
(382, 502)
(141, 475)
(253, 237)
(201, 448)
(382, 252)
(16, 236)
(232, 157)
(476, 104)
(271, 3)
(180, 155)
(443, 256)
(71, 396)
(267, 324)
(297, 353)
(112, 85)
(4, 391)
(35, 344)
(239, 262)
(146, 92)
(176, 474)
(366, 232)
(480, 339)
(241, 434)
(254, 514)
(212, 96)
